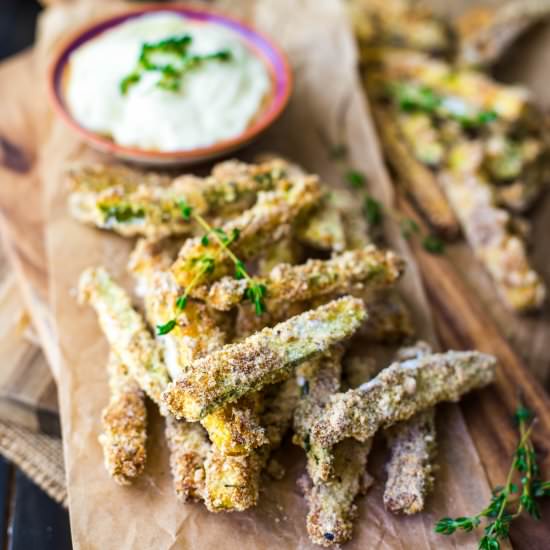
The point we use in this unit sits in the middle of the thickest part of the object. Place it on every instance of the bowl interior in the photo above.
(274, 60)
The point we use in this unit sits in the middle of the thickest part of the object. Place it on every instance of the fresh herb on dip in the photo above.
(176, 49)
(161, 82)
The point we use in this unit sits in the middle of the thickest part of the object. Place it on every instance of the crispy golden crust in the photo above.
(367, 268)
(418, 180)
(125, 331)
(189, 447)
(233, 482)
(324, 229)
(331, 503)
(260, 226)
(124, 425)
(133, 203)
(411, 465)
(487, 228)
(401, 391)
(264, 358)
(318, 380)
(234, 428)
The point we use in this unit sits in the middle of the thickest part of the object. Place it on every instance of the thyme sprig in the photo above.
(508, 502)
(255, 292)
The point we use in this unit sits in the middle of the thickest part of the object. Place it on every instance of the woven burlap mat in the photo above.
(39, 456)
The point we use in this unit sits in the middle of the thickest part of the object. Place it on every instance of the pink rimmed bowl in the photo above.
(273, 58)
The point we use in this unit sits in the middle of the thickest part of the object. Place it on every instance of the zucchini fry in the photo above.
(411, 465)
(324, 229)
(134, 203)
(318, 380)
(487, 229)
(352, 270)
(399, 392)
(331, 503)
(124, 425)
(413, 448)
(125, 331)
(418, 180)
(257, 228)
(233, 482)
(189, 447)
(234, 429)
(261, 359)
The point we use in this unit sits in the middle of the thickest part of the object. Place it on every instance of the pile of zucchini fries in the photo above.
(473, 153)
(231, 378)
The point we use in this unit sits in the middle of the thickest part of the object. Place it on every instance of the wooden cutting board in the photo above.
(459, 319)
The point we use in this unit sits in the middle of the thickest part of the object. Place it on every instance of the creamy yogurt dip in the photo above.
(215, 101)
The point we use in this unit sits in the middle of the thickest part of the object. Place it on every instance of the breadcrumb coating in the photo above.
(487, 229)
(399, 392)
(125, 331)
(261, 359)
(367, 268)
(134, 203)
(411, 465)
(318, 380)
(124, 423)
(331, 503)
(189, 446)
(257, 228)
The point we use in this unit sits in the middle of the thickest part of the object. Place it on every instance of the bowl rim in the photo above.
(265, 119)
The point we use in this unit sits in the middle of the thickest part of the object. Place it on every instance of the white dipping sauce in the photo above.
(216, 101)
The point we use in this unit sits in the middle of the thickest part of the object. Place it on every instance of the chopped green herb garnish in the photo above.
(356, 178)
(181, 302)
(373, 211)
(185, 210)
(411, 97)
(433, 244)
(121, 213)
(408, 227)
(177, 49)
(166, 328)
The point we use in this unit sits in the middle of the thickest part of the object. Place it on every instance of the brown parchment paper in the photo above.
(327, 104)
(526, 62)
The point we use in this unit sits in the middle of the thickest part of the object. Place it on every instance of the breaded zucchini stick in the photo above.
(234, 429)
(318, 380)
(261, 359)
(331, 503)
(413, 448)
(475, 90)
(125, 331)
(257, 228)
(352, 270)
(124, 425)
(411, 465)
(134, 203)
(234, 483)
(418, 180)
(189, 447)
(487, 229)
(324, 229)
(401, 391)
